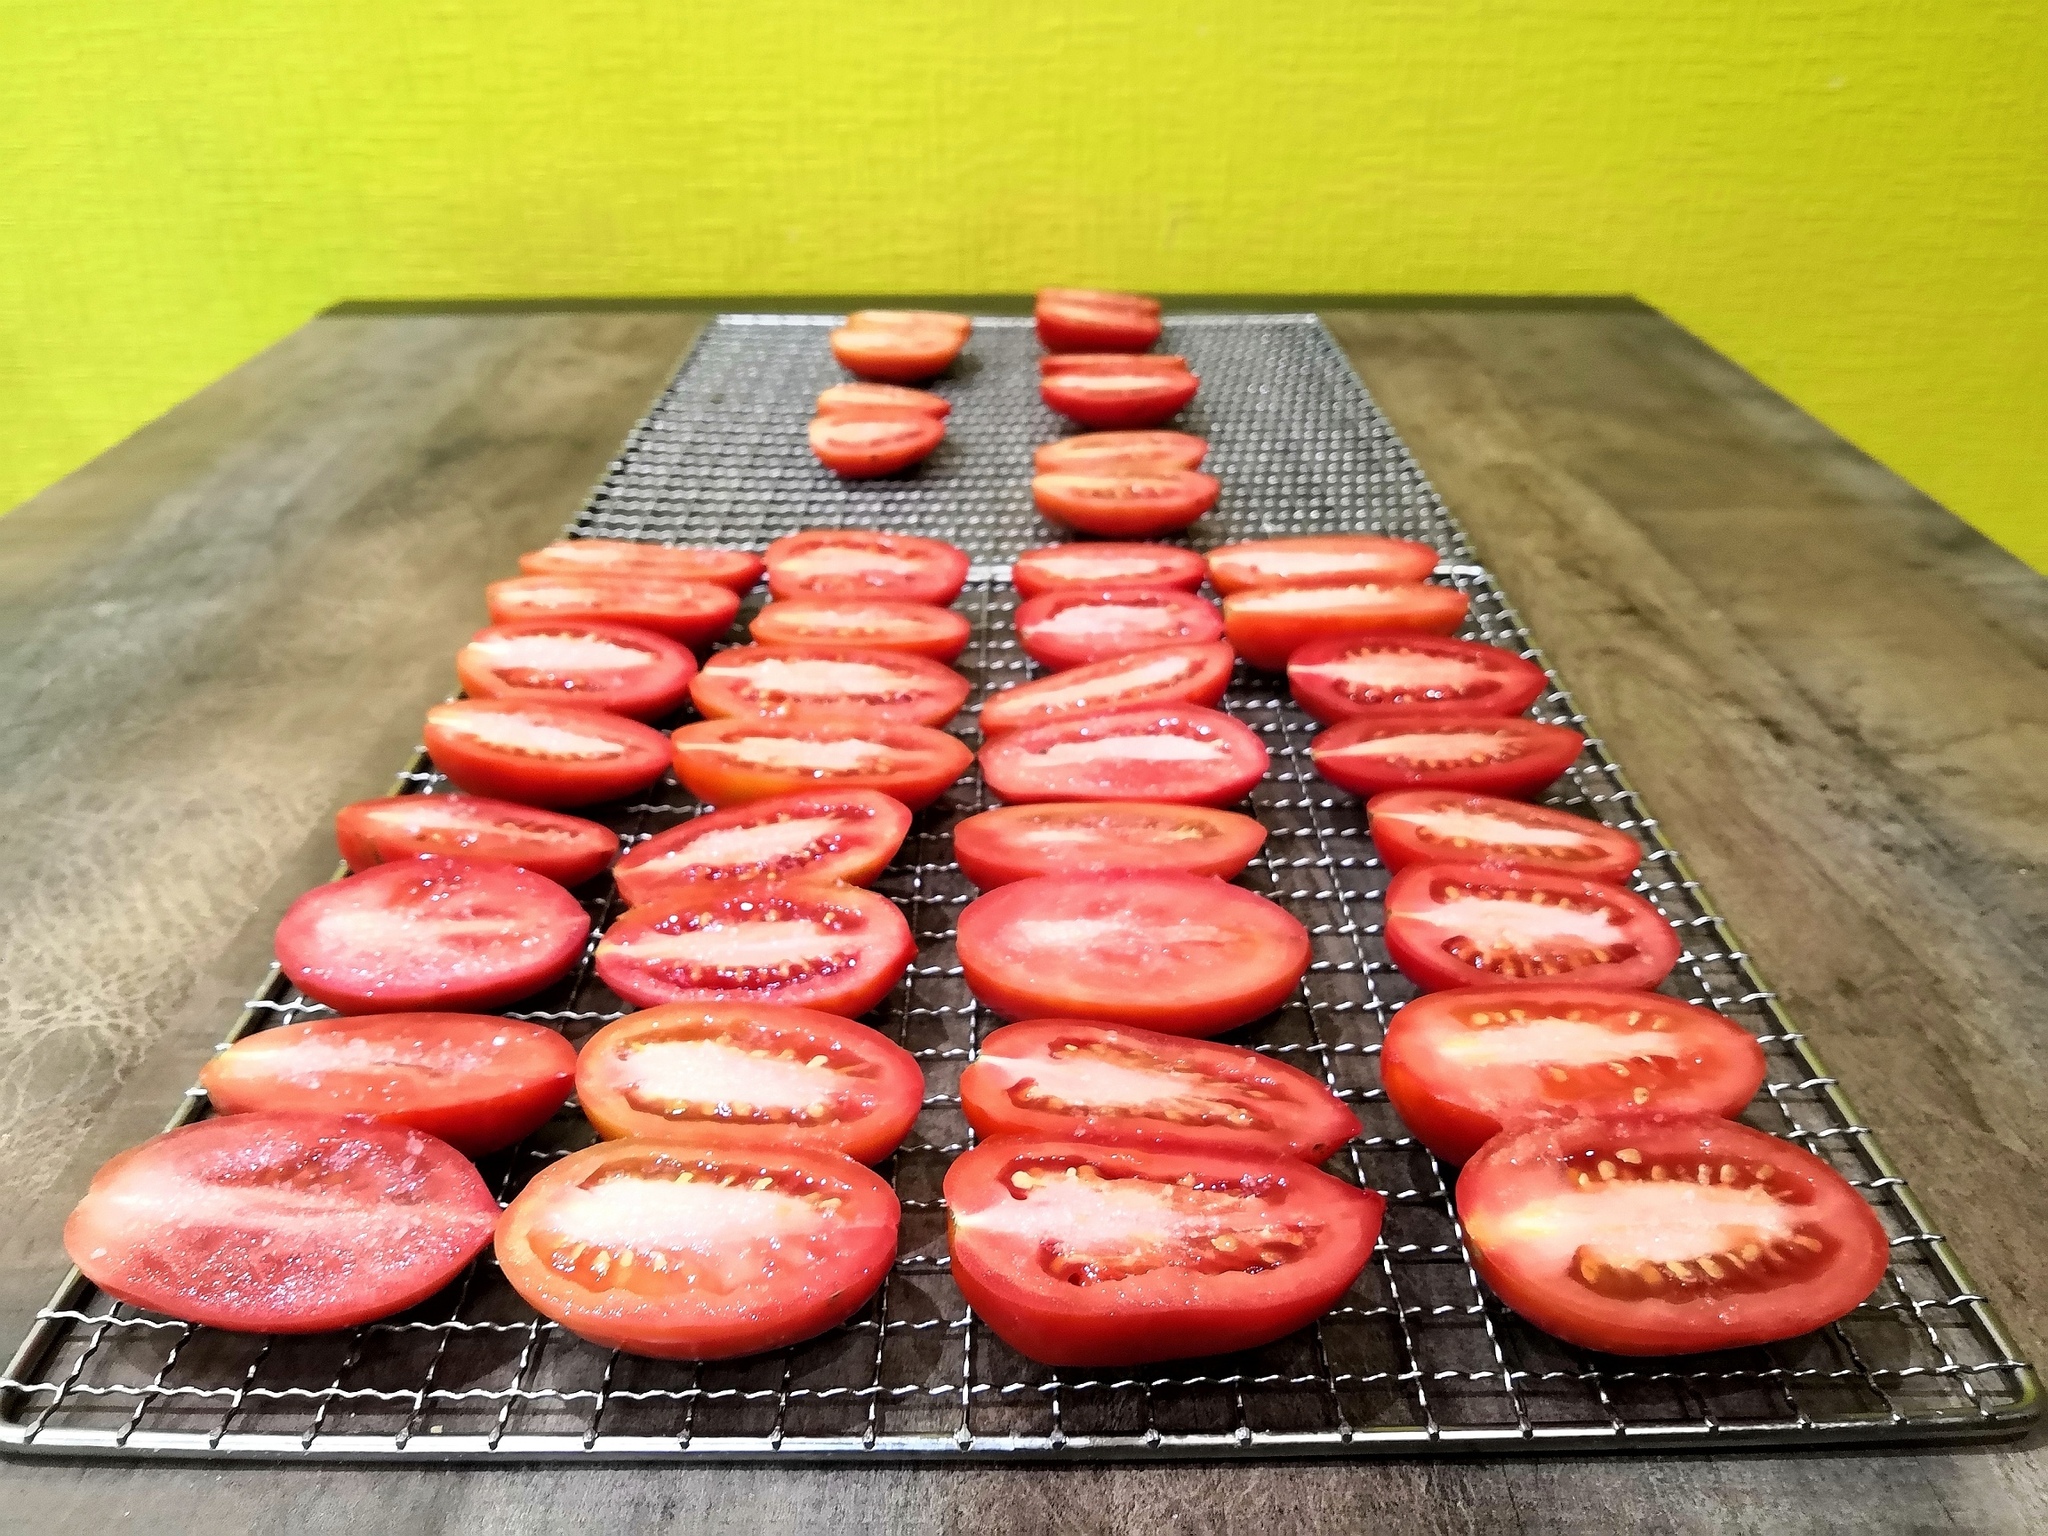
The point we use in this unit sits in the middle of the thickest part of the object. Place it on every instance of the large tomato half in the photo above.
(1448, 826)
(871, 443)
(543, 754)
(864, 399)
(1268, 625)
(1120, 453)
(838, 834)
(1100, 837)
(580, 662)
(878, 623)
(1322, 560)
(738, 569)
(1062, 567)
(1177, 753)
(1126, 506)
(1095, 320)
(693, 613)
(842, 563)
(1443, 749)
(1366, 674)
(566, 849)
(1111, 362)
(1118, 400)
(1079, 625)
(1170, 674)
(732, 762)
(790, 681)
(899, 346)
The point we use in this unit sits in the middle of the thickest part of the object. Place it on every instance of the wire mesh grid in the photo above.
(1418, 1356)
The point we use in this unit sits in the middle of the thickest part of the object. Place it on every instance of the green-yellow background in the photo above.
(1850, 197)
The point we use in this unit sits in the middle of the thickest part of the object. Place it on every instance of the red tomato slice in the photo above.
(904, 354)
(543, 754)
(1437, 749)
(1125, 506)
(716, 1075)
(841, 834)
(733, 762)
(1656, 1235)
(1364, 674)
(1180, 953)
(784, 681)
(281, 1223)
(579, 662)
(1181, 754)
(1084, 320)
(946, 320)
(1269, 624)
(1111, 362)
(800, 943)
(1075, 627)
(916, 629)
(567, 849)
(698, 1253)
(1471, 925)
(1324, 560)
(1448, 826)
(734, 568)
(864, 446)
(1118, 400)
(1121, 453)
(1459, 1065)
(477, 1083)
(1110, 1256)
(430, 933)
(1097, 837)
(839, 563)
(694, 613)
(1099, 298)
(857, 399)
(1073, 1080)
(1171, 674)
(1064, 567)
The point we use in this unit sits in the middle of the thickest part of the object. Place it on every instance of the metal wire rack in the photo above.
(1418, 1358)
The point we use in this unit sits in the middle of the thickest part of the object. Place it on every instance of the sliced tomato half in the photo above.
(1093, 320)
(734, 762)
(737, 569)
(750, 1075)
(1118, 400)
(840, 834)
(1459, 1065)
(1441, 749)
(687, 1252)
(858, 399)
(1074, 627)
(694, 613)
(1178, 753)
(1667, 1235)
(1269, 624)
(1110, 1256)
(872, 443)
(1471, 925)
(1121, 453)
(1063, 567)
(1448, 826)
(584, 663)
(1170, 674)
(1364, 674)
(877, 623)
(543, 754)
(899, 346)
(842, 563)
(786, 681)
(1321, 560)
(1125, 506)
(1111, 362)
(566, 849)
(1099, 837)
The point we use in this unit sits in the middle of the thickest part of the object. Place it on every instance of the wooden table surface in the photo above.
(1832, 692)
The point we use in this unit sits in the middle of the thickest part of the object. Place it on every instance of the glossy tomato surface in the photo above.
(1422, 826)
(1120, 453)
(1443, 749)
(877, 623)
(1321, 560)
(838, 834)
(799, 943)
(1125, 506)
(1459, 1065)
(281, 1223)
(750, 1075)
(738, 569)
(1178, 753)
(1111, 362)
(858, 399)
(840, 563)
(687, 1252)
(1169, 674)
(1108, 401)
(1472, 925)
(1183, 954)
(1269, 624)
(862, 446)
(430, 933)
(1335, 680)
(1074, 627)
(1076, 1080)
(734, 762)
(1106, 1256)
(899, 346)
(1095, 320)
(585, 663)
(693, 613)
(1058, 567)
(477, 1083)
(553, 755)
(788, 681)
(566, 849)
(1667, 1235)
(1094, 837)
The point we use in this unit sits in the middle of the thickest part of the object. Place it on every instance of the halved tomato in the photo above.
(1470, 925)
(1075, 1080)
(1111, 1256)
(1125, 506)
(1269, 624)
(1079, 625)
(1440, 749)
(863, 563)
(1181, 754)
(281, 1223)
(857, 399)
(880, 624)
(579, 662)
(733, 762)
(1459, 1065)
(899, 346)
(738, 569)
(430, 933)
(840, 834)
(1365, 674)
(1171, 674)
(698, 1253)
(692, 612)
(1184, 954)
(477, 1083)
(1448, 826)
(1111, 362)
(1063, 567)
(543, 754)
(750, 1075)
(1092, 320)
(784, 681)
(1096, 837)
(1121, 453)
(800, 943)
(566, 849)
(1118, 400)
(1656, 1235)
(1321, 560)
(860, 447)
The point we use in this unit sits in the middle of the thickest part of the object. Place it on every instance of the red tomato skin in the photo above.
(477, 1112)
(1373, 560)
(877, 825)
(1538, 1156)
(1266, 635)
(554, 783)
(1184, 619)
(659, 693)
(937, 690)
(988, 852)
(877, 623)
(737, 569)
(1399, 844)
(1120, 453)
(1080, 321)
(941, 759)
(1543, 752)
(1203, 676)
(1109, 402)
(942, 567)
(1508, 683)
(1134, 364)
(895, 356)
(853, 399)
(871, 443)
(1125, 506)
(1166, 1314)
(1035, 570)
(694, 613)
(372, 832)
(1015, 768)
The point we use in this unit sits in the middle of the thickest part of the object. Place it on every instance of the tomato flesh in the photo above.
(899, 346)
(550, 755)
(580, 662)
(1121, 453)
(1093, 837)
(1322, 560)
(855, 399)
(838, 563)
(873, 442)
(1118, 400)
(1178, 753)
(1423, 826)
(878, 623)
(1075, 627)
(1111, 362)
(843, 834)
(1662, 1235)
(1091, 320)
(693, 613)
(1168, 674)
(567, 849)
(1125, 506)
(733, 762)
(1105, 1256)
(1269, 624)
(737, 569)
(1063, 567)
(785, 681)
(1444, 749)
(1335, 680)
(750, 1075)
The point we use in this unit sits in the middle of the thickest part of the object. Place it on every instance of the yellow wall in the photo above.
(1848, 196)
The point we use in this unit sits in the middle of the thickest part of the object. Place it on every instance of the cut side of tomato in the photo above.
(1111, 362)
(430, 933)
(1470, 925)
(567, 849)
(1322, 560)
(1125, 506)
(737, 569)
(860, 447)
(1075, 1080)
(580, 662)
(1121, 453)
(735, 762)
(1459, 1065)
(799, 943)
(1448, 826)
(783, 681)
(841, 834)
(281, 1223)
(1171, 674)
(879, 624)
(1108, 1256)
(1091, 320)
(686, 1252)
(750, 1075)
(1177, 753)
(1337, 679)
(859, 399)
(840, 563)
(543, 754)
(1667, 1235)
(479, 1084)
(1099, 837)
(899, 346)
(1183, 954)
(1269, 624)
(693, 613)
(1109, 401)
(1088, 624)
(1064, 567)
(1441, 749)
